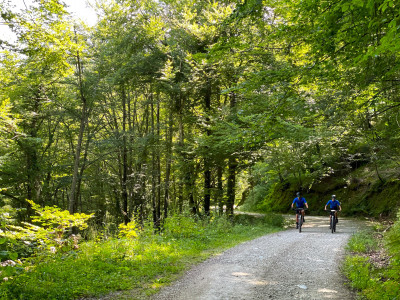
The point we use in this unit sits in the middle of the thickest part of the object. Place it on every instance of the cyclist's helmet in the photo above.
(298, 194)
(333, 196)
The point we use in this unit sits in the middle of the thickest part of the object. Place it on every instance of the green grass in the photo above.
(362, 242)
(363, 267)
(137, 266)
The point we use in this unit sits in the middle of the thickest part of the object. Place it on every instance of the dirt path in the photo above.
(284, 265)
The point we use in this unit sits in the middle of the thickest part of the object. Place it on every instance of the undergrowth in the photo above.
(138, 264)
(373, 264)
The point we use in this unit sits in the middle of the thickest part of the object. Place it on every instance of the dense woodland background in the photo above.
(181, 106)
(146, 131)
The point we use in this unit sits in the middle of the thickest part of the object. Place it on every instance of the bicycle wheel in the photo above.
(333, 224)
(300, 222)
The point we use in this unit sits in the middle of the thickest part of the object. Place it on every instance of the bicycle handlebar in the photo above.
(299, 208)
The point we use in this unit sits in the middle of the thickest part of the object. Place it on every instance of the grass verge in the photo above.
(138, 266)
(371, 266)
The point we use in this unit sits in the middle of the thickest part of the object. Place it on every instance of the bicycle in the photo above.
(333, 220)
(300, 220)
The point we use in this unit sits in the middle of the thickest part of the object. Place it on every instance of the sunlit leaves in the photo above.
(7, 124)
(54, 217)
(48, 229)
(47, 39)
(129, 230)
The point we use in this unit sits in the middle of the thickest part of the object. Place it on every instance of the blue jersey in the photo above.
(333, 204)
(299, 202)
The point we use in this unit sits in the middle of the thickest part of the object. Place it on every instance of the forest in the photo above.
(169, 108)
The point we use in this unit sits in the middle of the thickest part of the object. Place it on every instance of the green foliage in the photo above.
(393, 238)
(255, 200)
(275, 220)
(305, 91)
(50, 231)
(373, 281)
(10, 247)
(357, 269)
(129, 230)
(183, 227)
(53, 217)
(362, 242)
(271, 219)
(50, 234)
(7, 123)
(143, 264)
(372, 284)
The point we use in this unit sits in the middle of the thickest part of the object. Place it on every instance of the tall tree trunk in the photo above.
(220, 191)
(132, 207)
(153, 170)
(190, 190)
(142, 169)
(124, 159)
(207, 162)
(182, 174)
(31, 152)
(168, 166)
(46, 194)
(232, 165)
(33, 186)
(73, 194)
(137, 193)
(231, 186)
(158, 161)
(82, 168)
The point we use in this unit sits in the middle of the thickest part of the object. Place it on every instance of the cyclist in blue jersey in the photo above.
(334, 204)
(300, 203)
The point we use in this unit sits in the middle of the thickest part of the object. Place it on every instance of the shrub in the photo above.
(51, 231)
(357, 269)
(129, 230)
(274, 220)
(181, 226)
(50, 235)
(10, 248)
(362, 242)
(269, 219)
(220, 225)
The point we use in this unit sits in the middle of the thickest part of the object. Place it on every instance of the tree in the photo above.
(42, 62)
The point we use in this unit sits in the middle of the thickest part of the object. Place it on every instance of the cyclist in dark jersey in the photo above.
(334, 204)
(300, 203)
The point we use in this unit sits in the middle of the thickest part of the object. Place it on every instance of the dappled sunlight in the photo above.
(249, 279)
(240, 274)
(316, 225)
(327, 291)
(261, 282)
(320, 224)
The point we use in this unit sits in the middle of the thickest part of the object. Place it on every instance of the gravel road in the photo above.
(284, 265)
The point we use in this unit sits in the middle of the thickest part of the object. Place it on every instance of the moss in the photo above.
(383, 200)
(360, 191)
